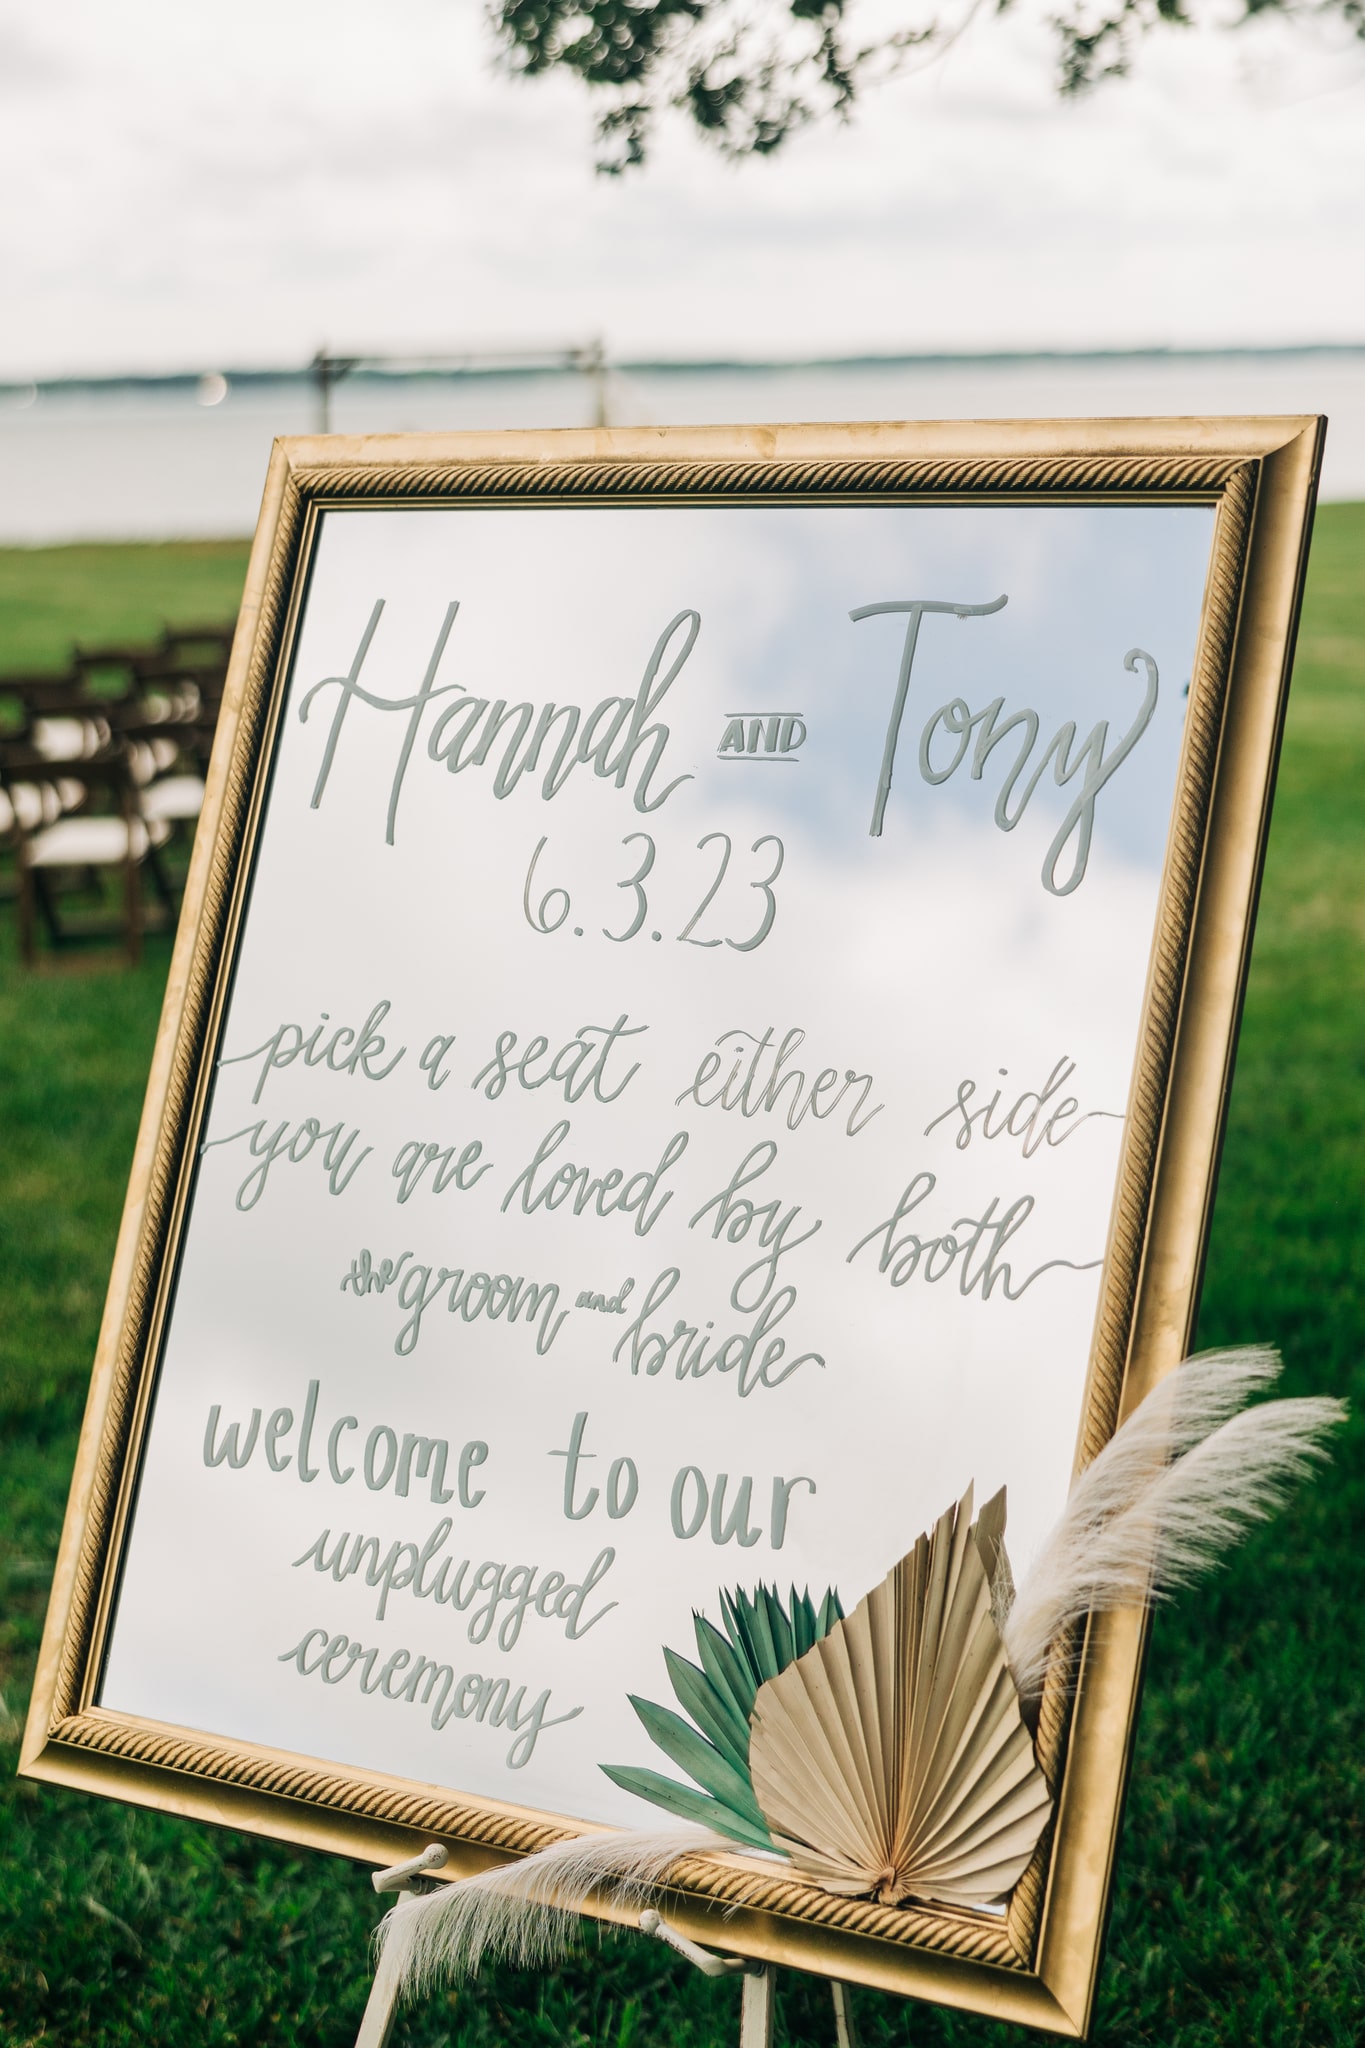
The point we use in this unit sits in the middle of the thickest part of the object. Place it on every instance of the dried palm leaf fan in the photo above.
(893, 1758)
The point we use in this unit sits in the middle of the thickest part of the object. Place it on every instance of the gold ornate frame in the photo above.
(1037, 1964)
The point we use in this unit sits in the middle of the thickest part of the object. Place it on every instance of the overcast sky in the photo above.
(191, 187)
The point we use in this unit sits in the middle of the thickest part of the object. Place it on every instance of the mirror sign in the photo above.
(589, 1179)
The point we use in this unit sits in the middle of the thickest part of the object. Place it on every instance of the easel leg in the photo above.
(380, 2011)
(845, 2033)
(382, 2004)
(756, 2010)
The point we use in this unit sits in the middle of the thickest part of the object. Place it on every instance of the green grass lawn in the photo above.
(50, 597)
(1239, 1915)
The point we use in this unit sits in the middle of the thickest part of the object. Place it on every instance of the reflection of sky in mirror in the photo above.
(1084, 586)
(1120, 569)
(920, 958)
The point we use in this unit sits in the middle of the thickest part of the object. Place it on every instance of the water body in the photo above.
(152, 461)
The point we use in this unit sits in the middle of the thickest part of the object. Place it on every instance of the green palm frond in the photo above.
(761, 1637)
(687, 1804)
(715, 1713)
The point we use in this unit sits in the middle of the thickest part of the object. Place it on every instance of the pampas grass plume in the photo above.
(524, 1912)
(1179, 1483)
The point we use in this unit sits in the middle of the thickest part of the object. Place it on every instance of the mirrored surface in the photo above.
(669, 1105)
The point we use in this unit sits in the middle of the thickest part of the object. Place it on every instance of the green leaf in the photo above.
(804, 1631)
(739, 1643)
(761, 1635)
(687, 1804)
(713, 1711)
(761, 1639)
(699, 1758)
(741, 1621)
(830, 1611)
(727, 1670)
(779, 1628)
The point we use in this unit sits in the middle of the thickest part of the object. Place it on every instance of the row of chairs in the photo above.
(101, 779)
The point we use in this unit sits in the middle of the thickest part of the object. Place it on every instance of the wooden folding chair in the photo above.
(108, 832)
(165, 761)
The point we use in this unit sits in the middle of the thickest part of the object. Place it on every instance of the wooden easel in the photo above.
(382, 2004)
(756, 1999)
(756, 1996)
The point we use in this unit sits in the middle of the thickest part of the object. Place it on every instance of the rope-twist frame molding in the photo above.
(1228, 481)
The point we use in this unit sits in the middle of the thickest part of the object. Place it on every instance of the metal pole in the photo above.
(593, 362)
(321, 368)
(329, 370)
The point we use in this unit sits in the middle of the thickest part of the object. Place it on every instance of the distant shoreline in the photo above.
(381, 371)
(182, 456)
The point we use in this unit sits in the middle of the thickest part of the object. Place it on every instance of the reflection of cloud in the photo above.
(1116, 561)
(27, 65)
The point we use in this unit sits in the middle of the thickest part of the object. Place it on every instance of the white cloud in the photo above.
(188, 188)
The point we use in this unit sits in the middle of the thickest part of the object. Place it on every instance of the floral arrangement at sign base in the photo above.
(761, 1639)
(889, 1753)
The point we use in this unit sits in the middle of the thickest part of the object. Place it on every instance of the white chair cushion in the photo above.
(150, 758)
(63, 739)
(32, 804)
(174, 797)
(93, 842)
